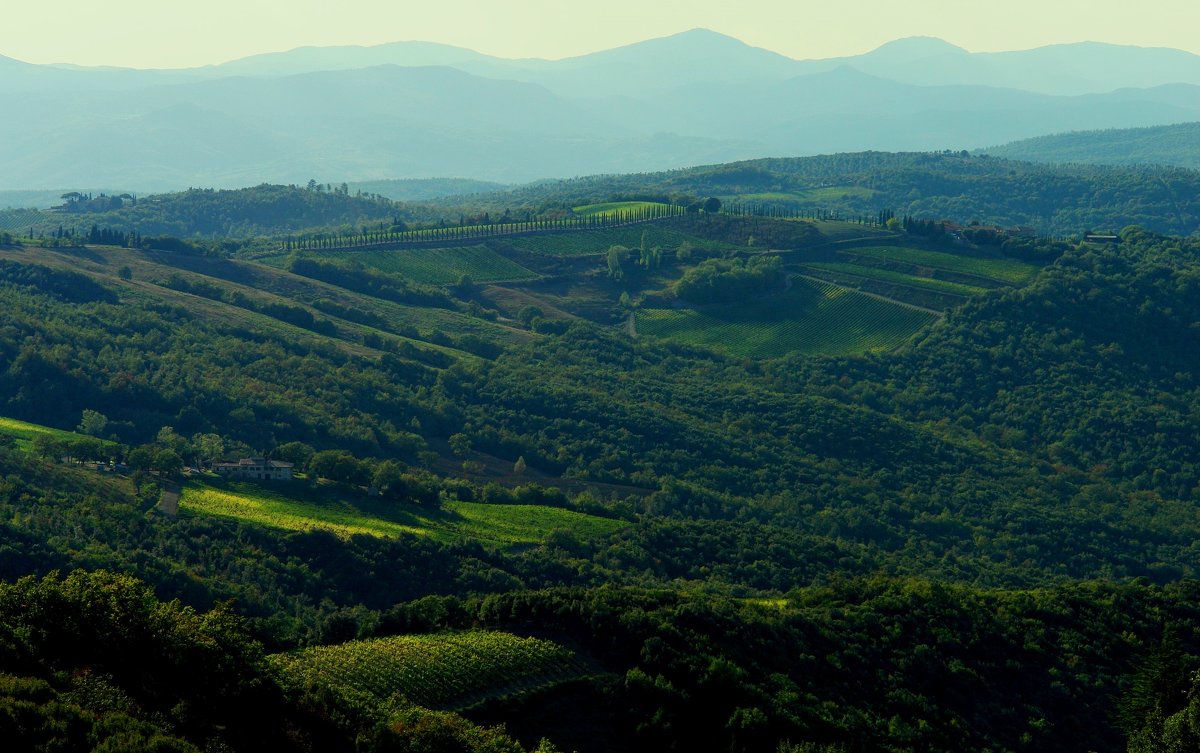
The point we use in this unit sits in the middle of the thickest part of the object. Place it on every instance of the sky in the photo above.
(183, 33)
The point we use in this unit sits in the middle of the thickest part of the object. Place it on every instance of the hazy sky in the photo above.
(179, 33)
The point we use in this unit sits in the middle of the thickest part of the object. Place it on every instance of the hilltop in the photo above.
(1177, 145)
(1053, 199)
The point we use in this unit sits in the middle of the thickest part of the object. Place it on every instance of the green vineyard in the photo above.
(888, 275)
(446, 670)
(811, 318)
(434, 266)
(18, 220)
(1002, 270)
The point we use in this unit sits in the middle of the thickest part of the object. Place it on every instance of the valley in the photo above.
(515, 405)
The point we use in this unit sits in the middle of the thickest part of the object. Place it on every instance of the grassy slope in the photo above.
(24, 432)
(264, 285)
(1001, 270)
(585, 242)
(812, 318)
(610, 208)
(887, 275)
(496, 524)
(434, 266)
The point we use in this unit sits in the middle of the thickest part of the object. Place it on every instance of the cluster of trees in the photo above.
(721, 280)
(927, 228)
(78, 203)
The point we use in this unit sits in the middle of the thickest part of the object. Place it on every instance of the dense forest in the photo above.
(982, 540)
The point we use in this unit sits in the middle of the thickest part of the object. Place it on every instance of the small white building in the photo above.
(257, 469)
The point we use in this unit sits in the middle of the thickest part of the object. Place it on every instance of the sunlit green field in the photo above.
(608, 209)
(24, 432)
(811, 318)
(444, 670)
(496, 524)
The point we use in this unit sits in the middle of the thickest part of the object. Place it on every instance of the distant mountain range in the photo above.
(418, 109)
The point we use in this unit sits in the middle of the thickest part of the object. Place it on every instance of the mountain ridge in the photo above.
(409, 110)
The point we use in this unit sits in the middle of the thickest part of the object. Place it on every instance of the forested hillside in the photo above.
(1054, 199)
(787, 551)
(269, 210)
(1177, 145)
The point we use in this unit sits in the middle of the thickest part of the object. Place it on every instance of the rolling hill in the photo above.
(1177, 145)
(513, 509)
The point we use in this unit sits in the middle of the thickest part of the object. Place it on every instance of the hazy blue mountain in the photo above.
(703, 56)
(373, 123)
(415, 109)
(1177, 145)
(345, 57)
(177, 145)
(1067, 69)
(694, 58)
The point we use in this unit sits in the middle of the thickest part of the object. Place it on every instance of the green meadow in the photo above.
(888, 275)
(812, 318)
(502, 525)
(434, 266)
(23, 433)
(1008, 271)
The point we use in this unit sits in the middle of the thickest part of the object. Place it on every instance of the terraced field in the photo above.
(812, 318)
(451, 671)
(502, 525)
(1008, 271)
(434, 266)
